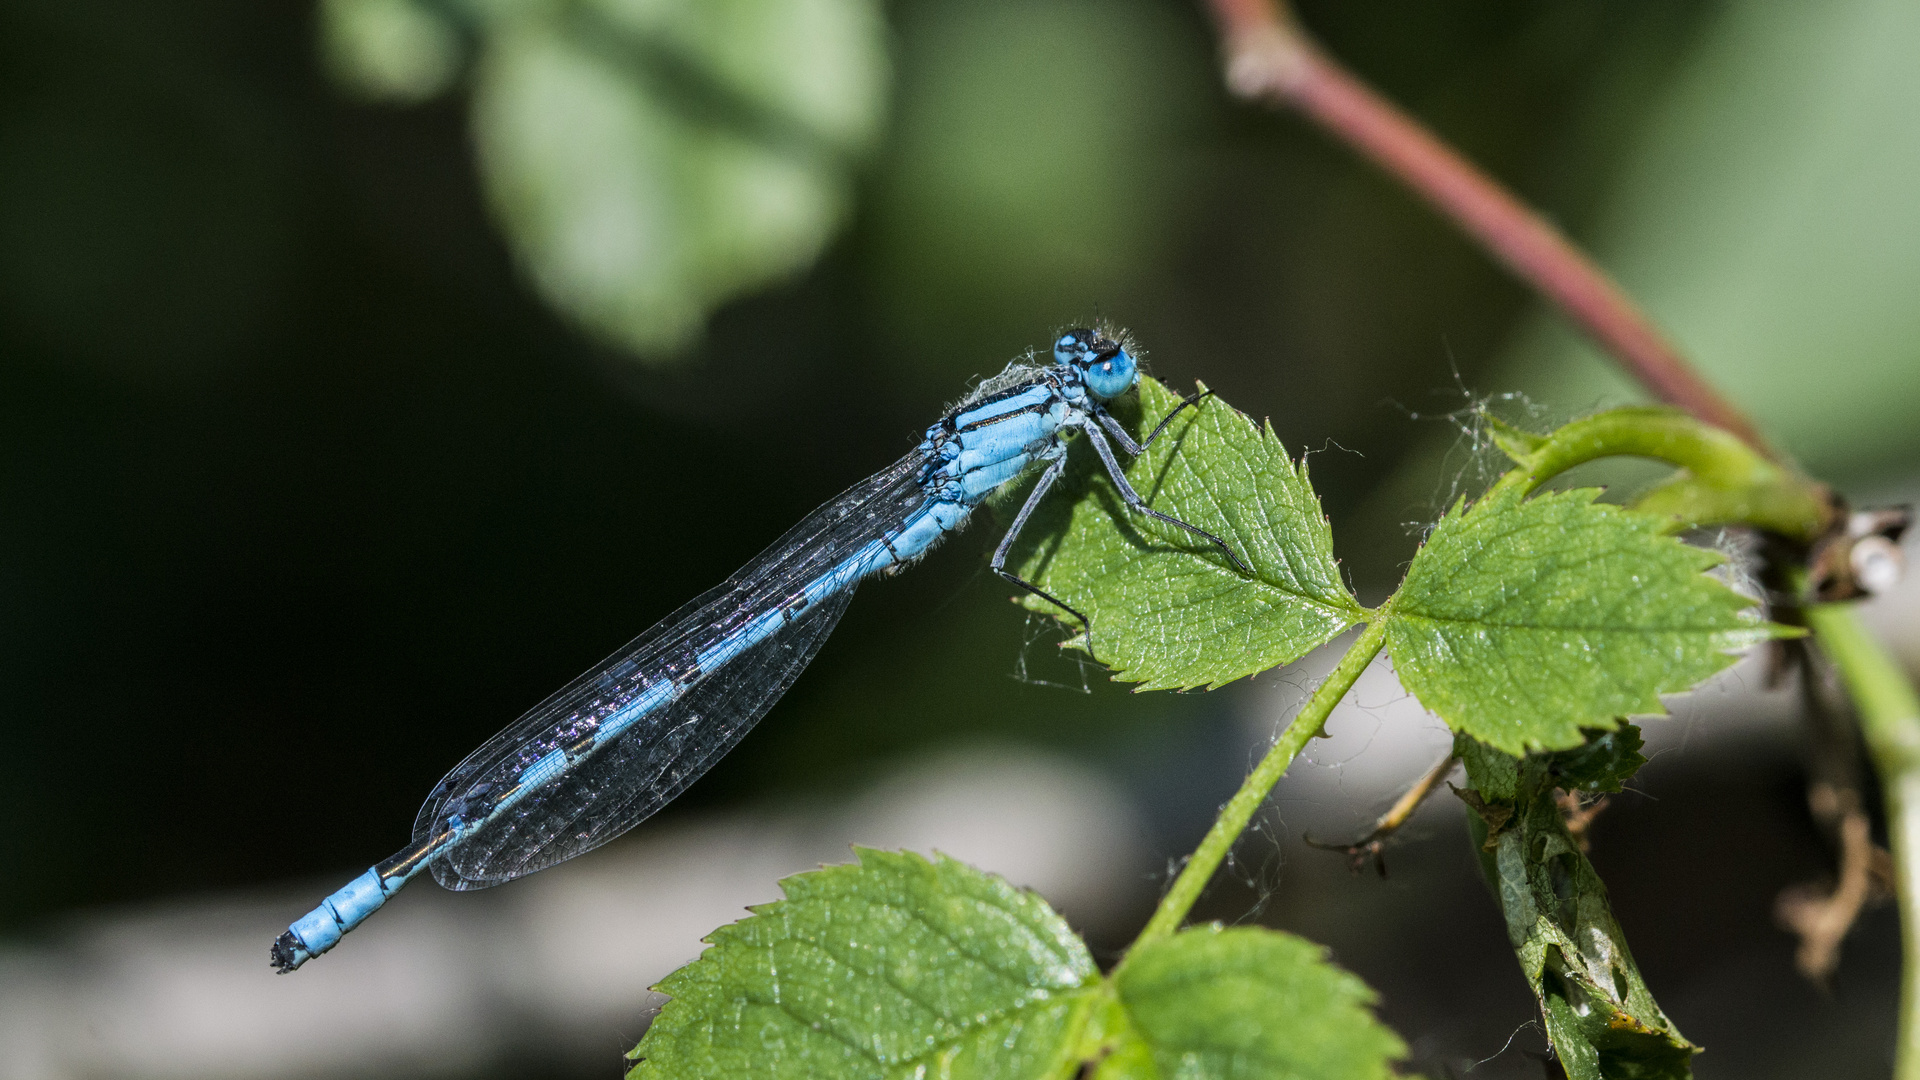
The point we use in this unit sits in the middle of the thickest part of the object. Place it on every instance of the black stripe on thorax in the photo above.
(1048, 377)
(1037, 407)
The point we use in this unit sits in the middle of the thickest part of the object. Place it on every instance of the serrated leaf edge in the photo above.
(676, 984)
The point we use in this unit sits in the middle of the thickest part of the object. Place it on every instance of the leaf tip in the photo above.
(1514, 442)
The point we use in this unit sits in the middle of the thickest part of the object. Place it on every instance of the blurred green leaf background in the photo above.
(1768, 214)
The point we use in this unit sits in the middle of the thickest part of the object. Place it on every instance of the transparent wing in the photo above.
(650, 764)
(601, 795)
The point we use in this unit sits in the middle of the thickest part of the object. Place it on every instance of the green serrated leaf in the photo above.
(1600, 1015)
(1244, 1002)
(1167, 609)
(1605, 763)
(896, 966)
(1522, 621)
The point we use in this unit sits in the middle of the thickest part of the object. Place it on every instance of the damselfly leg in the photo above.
(1125, 440)
(999, 561)
(1127, 494)
(1133, 449)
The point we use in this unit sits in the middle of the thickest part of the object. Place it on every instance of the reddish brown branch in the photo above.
(1270, 58)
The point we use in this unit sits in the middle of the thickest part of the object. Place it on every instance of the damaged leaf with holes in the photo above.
(1600, 1016)
(1167, 609)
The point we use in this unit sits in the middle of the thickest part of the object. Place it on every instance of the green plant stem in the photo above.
(1890, 723)
(1726, 481)
(1240, 809)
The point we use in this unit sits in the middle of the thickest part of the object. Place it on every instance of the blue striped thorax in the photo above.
(1016, 418)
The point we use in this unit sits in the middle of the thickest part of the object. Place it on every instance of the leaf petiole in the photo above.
(1725, 482)
(1253, 792)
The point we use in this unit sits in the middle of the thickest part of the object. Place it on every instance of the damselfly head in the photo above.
(1106, 368)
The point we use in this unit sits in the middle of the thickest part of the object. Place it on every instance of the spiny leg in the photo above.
(1134, 500)
(1125, 440)
(999, 562)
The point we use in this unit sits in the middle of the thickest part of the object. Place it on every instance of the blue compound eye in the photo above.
(1106, 369)
(1110, 374)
